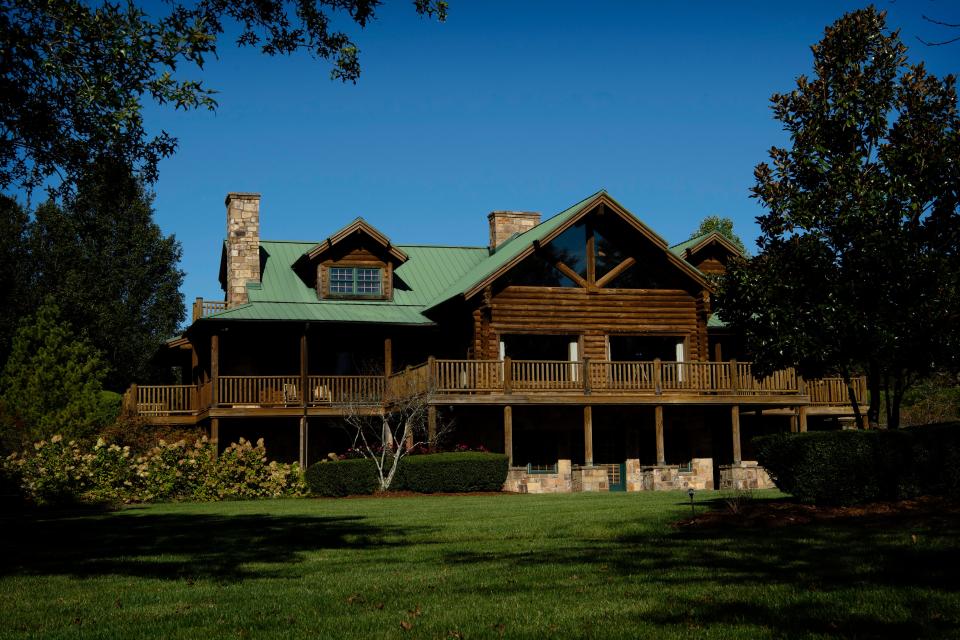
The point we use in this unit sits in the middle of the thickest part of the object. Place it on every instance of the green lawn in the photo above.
(563, 566)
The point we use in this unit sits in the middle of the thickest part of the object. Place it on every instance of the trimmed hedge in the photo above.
(343, 478)
(432, 473)
(850, 467)
(453, 472)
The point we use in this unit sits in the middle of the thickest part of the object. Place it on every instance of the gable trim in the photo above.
(358, 225)
(713, 236)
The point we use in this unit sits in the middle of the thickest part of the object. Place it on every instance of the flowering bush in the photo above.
(57, 472)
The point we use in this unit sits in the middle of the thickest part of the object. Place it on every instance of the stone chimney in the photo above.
(504, 224)
(243, 245)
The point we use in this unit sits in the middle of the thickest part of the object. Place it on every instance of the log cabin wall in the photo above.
(592, 315)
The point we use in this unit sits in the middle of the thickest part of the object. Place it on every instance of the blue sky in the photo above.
(524, 105)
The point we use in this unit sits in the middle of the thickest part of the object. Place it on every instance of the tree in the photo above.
(858, 268)
(723, 226)
(111, 270)
(388, 435)
(15, 271)
(74, 75)
(52, 382)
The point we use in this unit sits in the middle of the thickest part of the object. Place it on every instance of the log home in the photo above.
(583, 346)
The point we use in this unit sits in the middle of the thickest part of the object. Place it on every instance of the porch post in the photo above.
(793, 420)
(215, 435)
(508, 433)
(658, 424)
(304, 436)
(214, 369)
(803, 419)
(735, 419)
(588, 436)
(304, 368)
(387, 357)
(431, 427)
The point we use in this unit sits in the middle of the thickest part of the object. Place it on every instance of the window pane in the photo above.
(570, 247)
(368, 281)
(341, 280)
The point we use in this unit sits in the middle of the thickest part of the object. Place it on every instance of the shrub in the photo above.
(452, 472)
(343, 478)
(58, 472)
(850, 467)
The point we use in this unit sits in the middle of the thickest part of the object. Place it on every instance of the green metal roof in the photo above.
(430, 276)
(692, 242)
(282, 295)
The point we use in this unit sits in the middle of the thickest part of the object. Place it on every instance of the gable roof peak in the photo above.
(359, 225)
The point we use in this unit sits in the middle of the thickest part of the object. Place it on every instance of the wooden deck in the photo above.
(586, 382)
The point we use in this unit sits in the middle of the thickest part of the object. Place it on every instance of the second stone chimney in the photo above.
(504, 224)
(243, 245)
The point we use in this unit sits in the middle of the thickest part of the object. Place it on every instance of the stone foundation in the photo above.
(568, 479)
(699, 476)
(590, 479)
(519, 480)
(744, 476)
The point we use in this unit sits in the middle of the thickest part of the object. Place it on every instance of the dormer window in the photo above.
(356, 281)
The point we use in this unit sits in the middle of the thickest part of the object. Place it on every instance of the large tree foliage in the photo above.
(858, 264)
(74, 74)
(723, 226)
(112, 271)
(51, 383)
(102, 259)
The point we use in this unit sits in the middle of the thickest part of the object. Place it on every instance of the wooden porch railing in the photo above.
(166, 400)
(203, 308)
(833, 391)
(258, 390)
(490, 377)
(325, 390)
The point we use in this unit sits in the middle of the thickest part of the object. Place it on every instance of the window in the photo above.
(356, 281)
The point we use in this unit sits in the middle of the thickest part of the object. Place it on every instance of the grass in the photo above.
(563, 566)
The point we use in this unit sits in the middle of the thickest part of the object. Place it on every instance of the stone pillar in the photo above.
(505, 224)
(243, 245)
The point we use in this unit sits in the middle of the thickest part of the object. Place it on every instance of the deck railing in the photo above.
(258, 391)
(166, 400)
(329, 390)
(827, 391)
(203, 308)
(450, 377)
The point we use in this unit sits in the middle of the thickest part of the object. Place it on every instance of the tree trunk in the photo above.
(873, 382)
(852, 394)
(893, 421)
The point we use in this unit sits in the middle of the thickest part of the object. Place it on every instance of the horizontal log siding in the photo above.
(596, 314)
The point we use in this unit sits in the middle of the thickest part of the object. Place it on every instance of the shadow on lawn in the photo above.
(175, 546)
(694, 577)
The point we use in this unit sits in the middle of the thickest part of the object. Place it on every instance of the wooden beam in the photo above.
(616, 271)
(214, 368)
(507, 375)
(591, 255)
(793, 421)
(508, 433)
(735, 421)
(304, 368)
(303, 442)
(573, 275)
(215, 435)
(588, 436)
(432, 426)
(658, 425)
(803, 420)
(387, 357)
